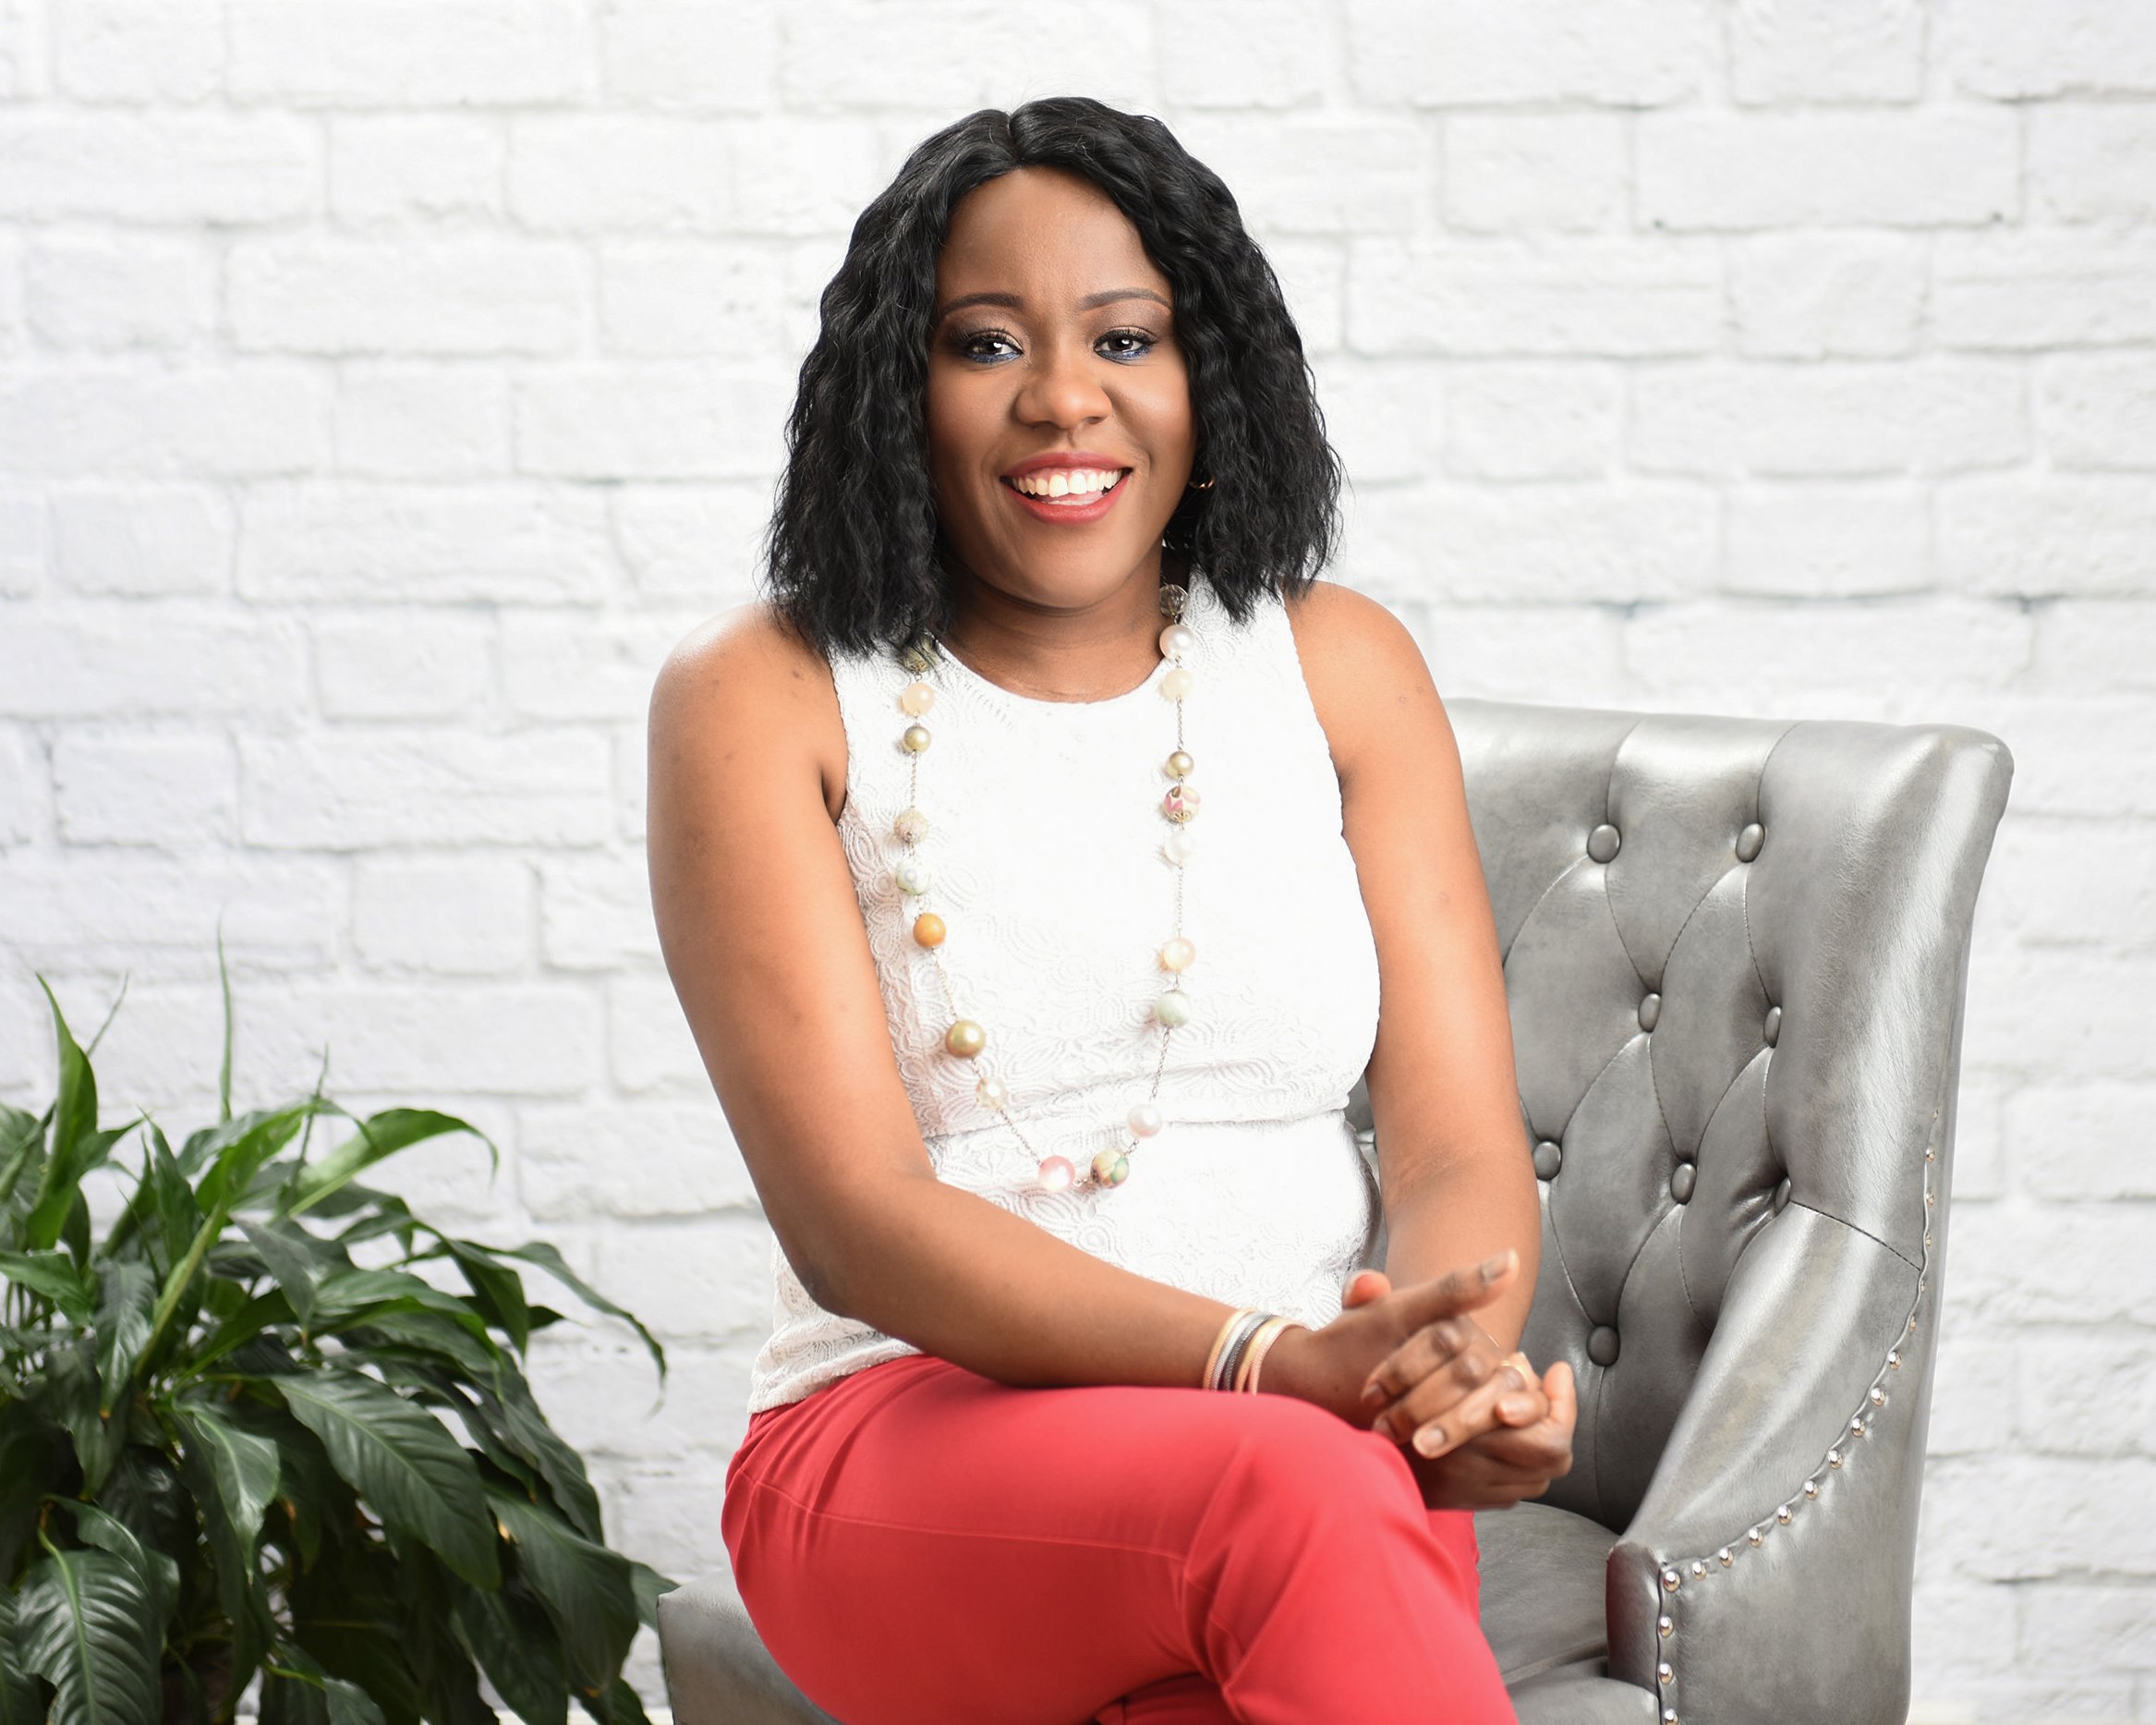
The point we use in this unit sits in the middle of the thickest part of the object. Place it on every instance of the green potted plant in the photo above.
(225, 1446)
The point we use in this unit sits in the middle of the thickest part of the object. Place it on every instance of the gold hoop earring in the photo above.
(1206, 487)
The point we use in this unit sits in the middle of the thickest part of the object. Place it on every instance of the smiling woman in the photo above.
(1041, 1076)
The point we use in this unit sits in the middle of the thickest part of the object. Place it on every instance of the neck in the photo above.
(1086, 653)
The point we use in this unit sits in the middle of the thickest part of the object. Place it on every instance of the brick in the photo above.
(1878, 659)
(2071, 47)
(603, 1396)
(25, 544)
(2087, 1393)
(700, 1279)
(449, 1181)
(2098, 410)
(145, 788)
(1312, 283)
(619, 172)
(696, 58)
(1507, 172)
(1531, 421)
(1448, 53)
(1765, 419)
(360, 53)
(631, 1159)
(143, 541)
(1386, 421)
(25, 786)
(448, 915)
(414, 421)
(595, 912)
(2058, 882)
(389, 1039)
(1826, 50)
(477, 294)
(1592, 297)
(2052, 534)
(648, 1042)
(2083, 1140)
(355, 789)
(2018, 291)
(14, 295)
(1535, 545)
(139, 50)
(171, 168)
(1972, 1391)
(23, 52)
(849, 54)
(645, 421)
(2022, 1518)
(380, 544)
(2049, 1011)
(1245, 53)
(1978, 1159)
(1514, 653)
(630, 783)
(2090, 162)
(2019, 1262)
(157, 918)
(107, 664)
(2092, 647)
(671, 1522)
(1816, 296)
(689, 299)
(237, 419)
(692, 544)
(396, 664)
(1828, 542)
(1961, 1632)
(2093, 1627)
(793, 177)
(405, 170)
(2073, 755)
(106, 294)
(1316, 173)
(1701, 170)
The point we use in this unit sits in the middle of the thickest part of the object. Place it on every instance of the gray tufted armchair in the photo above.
(1736, 951)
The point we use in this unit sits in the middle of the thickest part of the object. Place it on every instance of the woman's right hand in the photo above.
(1331, 1367)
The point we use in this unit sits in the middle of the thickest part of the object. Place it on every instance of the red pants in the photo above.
(920, 1545)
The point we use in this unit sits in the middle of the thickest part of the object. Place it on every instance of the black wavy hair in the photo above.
(853, 555)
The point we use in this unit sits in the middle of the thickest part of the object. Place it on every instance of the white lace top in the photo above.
(1045, 838)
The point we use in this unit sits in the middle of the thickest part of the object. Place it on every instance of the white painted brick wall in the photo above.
(385, 383)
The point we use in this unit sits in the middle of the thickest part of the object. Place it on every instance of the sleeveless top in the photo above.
(1045, 837)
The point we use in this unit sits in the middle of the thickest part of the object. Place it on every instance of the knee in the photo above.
(1296, 1459)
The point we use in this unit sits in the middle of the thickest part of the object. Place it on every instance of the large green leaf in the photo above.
(69, 1396)
(22, 1147)
(298, 1690)
(20, 1702)
(123, 1300)
(235, 1567)
(514, 1643)
(243, 1466)
(51, 1276)
(614, 1705)
(160, 1572)
(74, 1117)
(515, 1415)
(588, 1590)
(299, 1260)
(88, 1628)
(379, 1135)
(498, 1293)
(401, 1460)
(34, 1455)
(352, 1296)
(546, 1257)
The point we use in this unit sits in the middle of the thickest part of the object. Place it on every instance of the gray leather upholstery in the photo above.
(1736, 951)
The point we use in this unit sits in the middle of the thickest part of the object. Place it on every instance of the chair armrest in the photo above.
(1767, 1573)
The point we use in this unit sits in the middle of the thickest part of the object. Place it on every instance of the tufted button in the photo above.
(1650, 1010)
(1749, 841)
(1782, 1196)
(1602, 843)
(1602, 1345)
(1680, 1181)
(1771, 1031)
(1548, 1159)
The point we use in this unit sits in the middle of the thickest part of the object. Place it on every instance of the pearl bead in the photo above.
(912, 826)
(917, 697)
(1172, 1008)
(1182, 803)
(1178, 683)
(965, 1038)
(1056, 1174)
(992, 1092)
(913, 875)
(915, 737)
(1178, 955)
(929, 929)
(1111, 1167)
(1181, 765)
(1144, 1119)
(1176, 640)
(1181, 845)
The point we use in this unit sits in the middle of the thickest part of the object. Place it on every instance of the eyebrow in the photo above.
(1106, 297)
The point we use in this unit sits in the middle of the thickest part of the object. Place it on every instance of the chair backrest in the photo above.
(1735, 952)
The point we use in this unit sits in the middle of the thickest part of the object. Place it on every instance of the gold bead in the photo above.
(1178, 955)
(965, 1038)
(916, 738)
(1179, 765)
(911, 826)
(917, 697)
(929, 929)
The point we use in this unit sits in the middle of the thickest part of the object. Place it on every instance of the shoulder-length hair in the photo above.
(852, 553)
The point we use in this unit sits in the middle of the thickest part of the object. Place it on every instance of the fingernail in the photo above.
(1373, 1395)
(1494, 1267)
(1430, 1439)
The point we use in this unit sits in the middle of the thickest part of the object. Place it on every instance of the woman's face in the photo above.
(1053, 362)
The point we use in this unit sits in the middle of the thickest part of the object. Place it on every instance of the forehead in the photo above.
(1045, 226)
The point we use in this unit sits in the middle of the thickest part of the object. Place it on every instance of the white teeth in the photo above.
(1068, 481)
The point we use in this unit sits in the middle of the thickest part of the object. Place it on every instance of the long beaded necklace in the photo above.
(965, 1038)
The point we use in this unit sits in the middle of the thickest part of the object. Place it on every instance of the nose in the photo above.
(1061, 386)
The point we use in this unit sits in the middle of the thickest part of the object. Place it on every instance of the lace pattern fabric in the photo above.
(1045, 837)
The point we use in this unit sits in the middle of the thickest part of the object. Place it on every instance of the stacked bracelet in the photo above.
(1241, 1348)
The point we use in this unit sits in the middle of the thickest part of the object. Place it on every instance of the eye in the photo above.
(975, 344)
(1139, 343)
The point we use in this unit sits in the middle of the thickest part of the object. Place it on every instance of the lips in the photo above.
(1069, 511)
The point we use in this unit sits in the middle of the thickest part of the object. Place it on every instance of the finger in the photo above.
(1471, 1416)
(1459, 1290)
(1529, 1404)
(1451, 1342)
(1365, 1287)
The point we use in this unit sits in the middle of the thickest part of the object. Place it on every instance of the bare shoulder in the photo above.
(1367, 677)
(745, 678)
